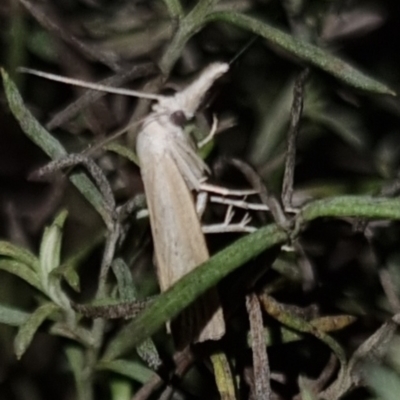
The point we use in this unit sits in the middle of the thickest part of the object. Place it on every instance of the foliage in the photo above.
(294, 107)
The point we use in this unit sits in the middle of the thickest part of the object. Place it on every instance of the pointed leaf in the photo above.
(123, 151)
(50, 246)
(76, 361)
(126, 287)
(19, 254)
(68, 269)
(305, 51)
(51, 146)
(28, 329)
(131, 369)
(22, 271)
(12, 316)
(68, 272)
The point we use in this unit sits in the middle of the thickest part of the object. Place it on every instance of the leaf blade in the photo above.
(28, 329)
(305, 51)
(51, 146)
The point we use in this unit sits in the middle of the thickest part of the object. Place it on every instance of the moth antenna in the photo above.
(89, 85)
(243, 49)
(112, 137)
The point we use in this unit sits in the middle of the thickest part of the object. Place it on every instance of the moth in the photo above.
(171, 169)
(172, 172)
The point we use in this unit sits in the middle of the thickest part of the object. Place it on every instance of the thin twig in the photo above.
(47, 17)
(297, 108)
(262, 385)
(266, 198)
(94, 170)
(305, 266)
(389, 289)
(183, 360)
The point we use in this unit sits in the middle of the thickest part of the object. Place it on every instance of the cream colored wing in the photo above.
(178, 239)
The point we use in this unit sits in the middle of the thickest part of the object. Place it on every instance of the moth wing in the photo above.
(179, 243)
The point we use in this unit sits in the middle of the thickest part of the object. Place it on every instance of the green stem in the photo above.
(86, 381)
(188, 26)
(207, 275)
(175, 8)
(179, 296)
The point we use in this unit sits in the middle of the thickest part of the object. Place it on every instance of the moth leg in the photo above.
(210, 136)
(227, 226)
(201, 203)
(208, 187)
(239, 203)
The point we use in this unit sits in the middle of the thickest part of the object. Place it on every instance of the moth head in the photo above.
(189, 99)
(181, 107)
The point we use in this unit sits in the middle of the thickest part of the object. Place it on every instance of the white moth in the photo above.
(171, 170)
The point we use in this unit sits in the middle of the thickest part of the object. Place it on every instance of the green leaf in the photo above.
(186, 290)
(76, 360)
(51, 146)
(22, 271)
(272, 130)
(28, 329)
(68, 269)
(208, 274)
(383, 381)
(130, 369)
(305, 51)
(125, 284)
(68, 272)
(120, 388)
(147, 349)
(50, 246)
(12, 316)
(123, 151)
(49, 256)
(306, 391)
(19, 254)
(41, 43)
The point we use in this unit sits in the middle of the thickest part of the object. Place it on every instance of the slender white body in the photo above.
(171, 170)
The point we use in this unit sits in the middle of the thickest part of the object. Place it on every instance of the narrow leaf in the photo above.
(224, 378)
(50, 246)
(122, 151)
(51, 146)
(130, 369)
(76, 360)
(28, 329)
(68, 269)
(19, 254)
(305, 51)
(12, 316)
(22, 271)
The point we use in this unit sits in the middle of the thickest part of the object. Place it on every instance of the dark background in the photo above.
(349, 144)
